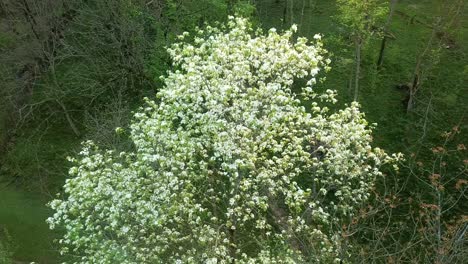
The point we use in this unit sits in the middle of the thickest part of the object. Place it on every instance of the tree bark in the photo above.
(280, 216)
(291, 10)
(412, 90)
(358, 43)
(230, 6)
(416, 79)
(285, 10)
(381, 53)
(302, 13)
(69, 119)
(384, 39)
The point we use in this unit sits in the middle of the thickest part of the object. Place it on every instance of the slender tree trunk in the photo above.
(412, 90)
(285, 10)
(409, 106)
(384, 39)
(230, 6)
(291, 10)
(232, 242)
(280, 216)
(440, 248)
(416, 79)
(69, 119)
(381, 53)
(302, 14)
(358, 67)
(312, 4)
(438, 25)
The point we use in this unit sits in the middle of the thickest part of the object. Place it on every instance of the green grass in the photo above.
(23, 215)
(32, 171)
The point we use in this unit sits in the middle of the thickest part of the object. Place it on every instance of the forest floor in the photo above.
(23, 214)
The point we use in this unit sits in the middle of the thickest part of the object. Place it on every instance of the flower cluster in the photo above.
(228, 164)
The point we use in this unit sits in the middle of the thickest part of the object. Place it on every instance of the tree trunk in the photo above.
(416, 79)
(230, 6)
(232, 242)
(358, 67)
(285, 9)
(69, 119)
(384, 39)
(280, 216)
(381, 53)
(291, 10)
(302, 14)
(412, 91)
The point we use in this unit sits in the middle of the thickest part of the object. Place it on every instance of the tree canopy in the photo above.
(227, 163)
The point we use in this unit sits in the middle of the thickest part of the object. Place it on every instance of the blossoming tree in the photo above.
(228, 165)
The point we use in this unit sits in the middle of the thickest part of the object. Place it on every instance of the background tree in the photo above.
(442, 27)
(32, 30)
(68, 63)
(416, 215)
(363, 18)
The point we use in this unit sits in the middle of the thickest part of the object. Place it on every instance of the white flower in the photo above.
(294, 28)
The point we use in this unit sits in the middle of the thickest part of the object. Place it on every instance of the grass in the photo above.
(23, 215)
(32, 171)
